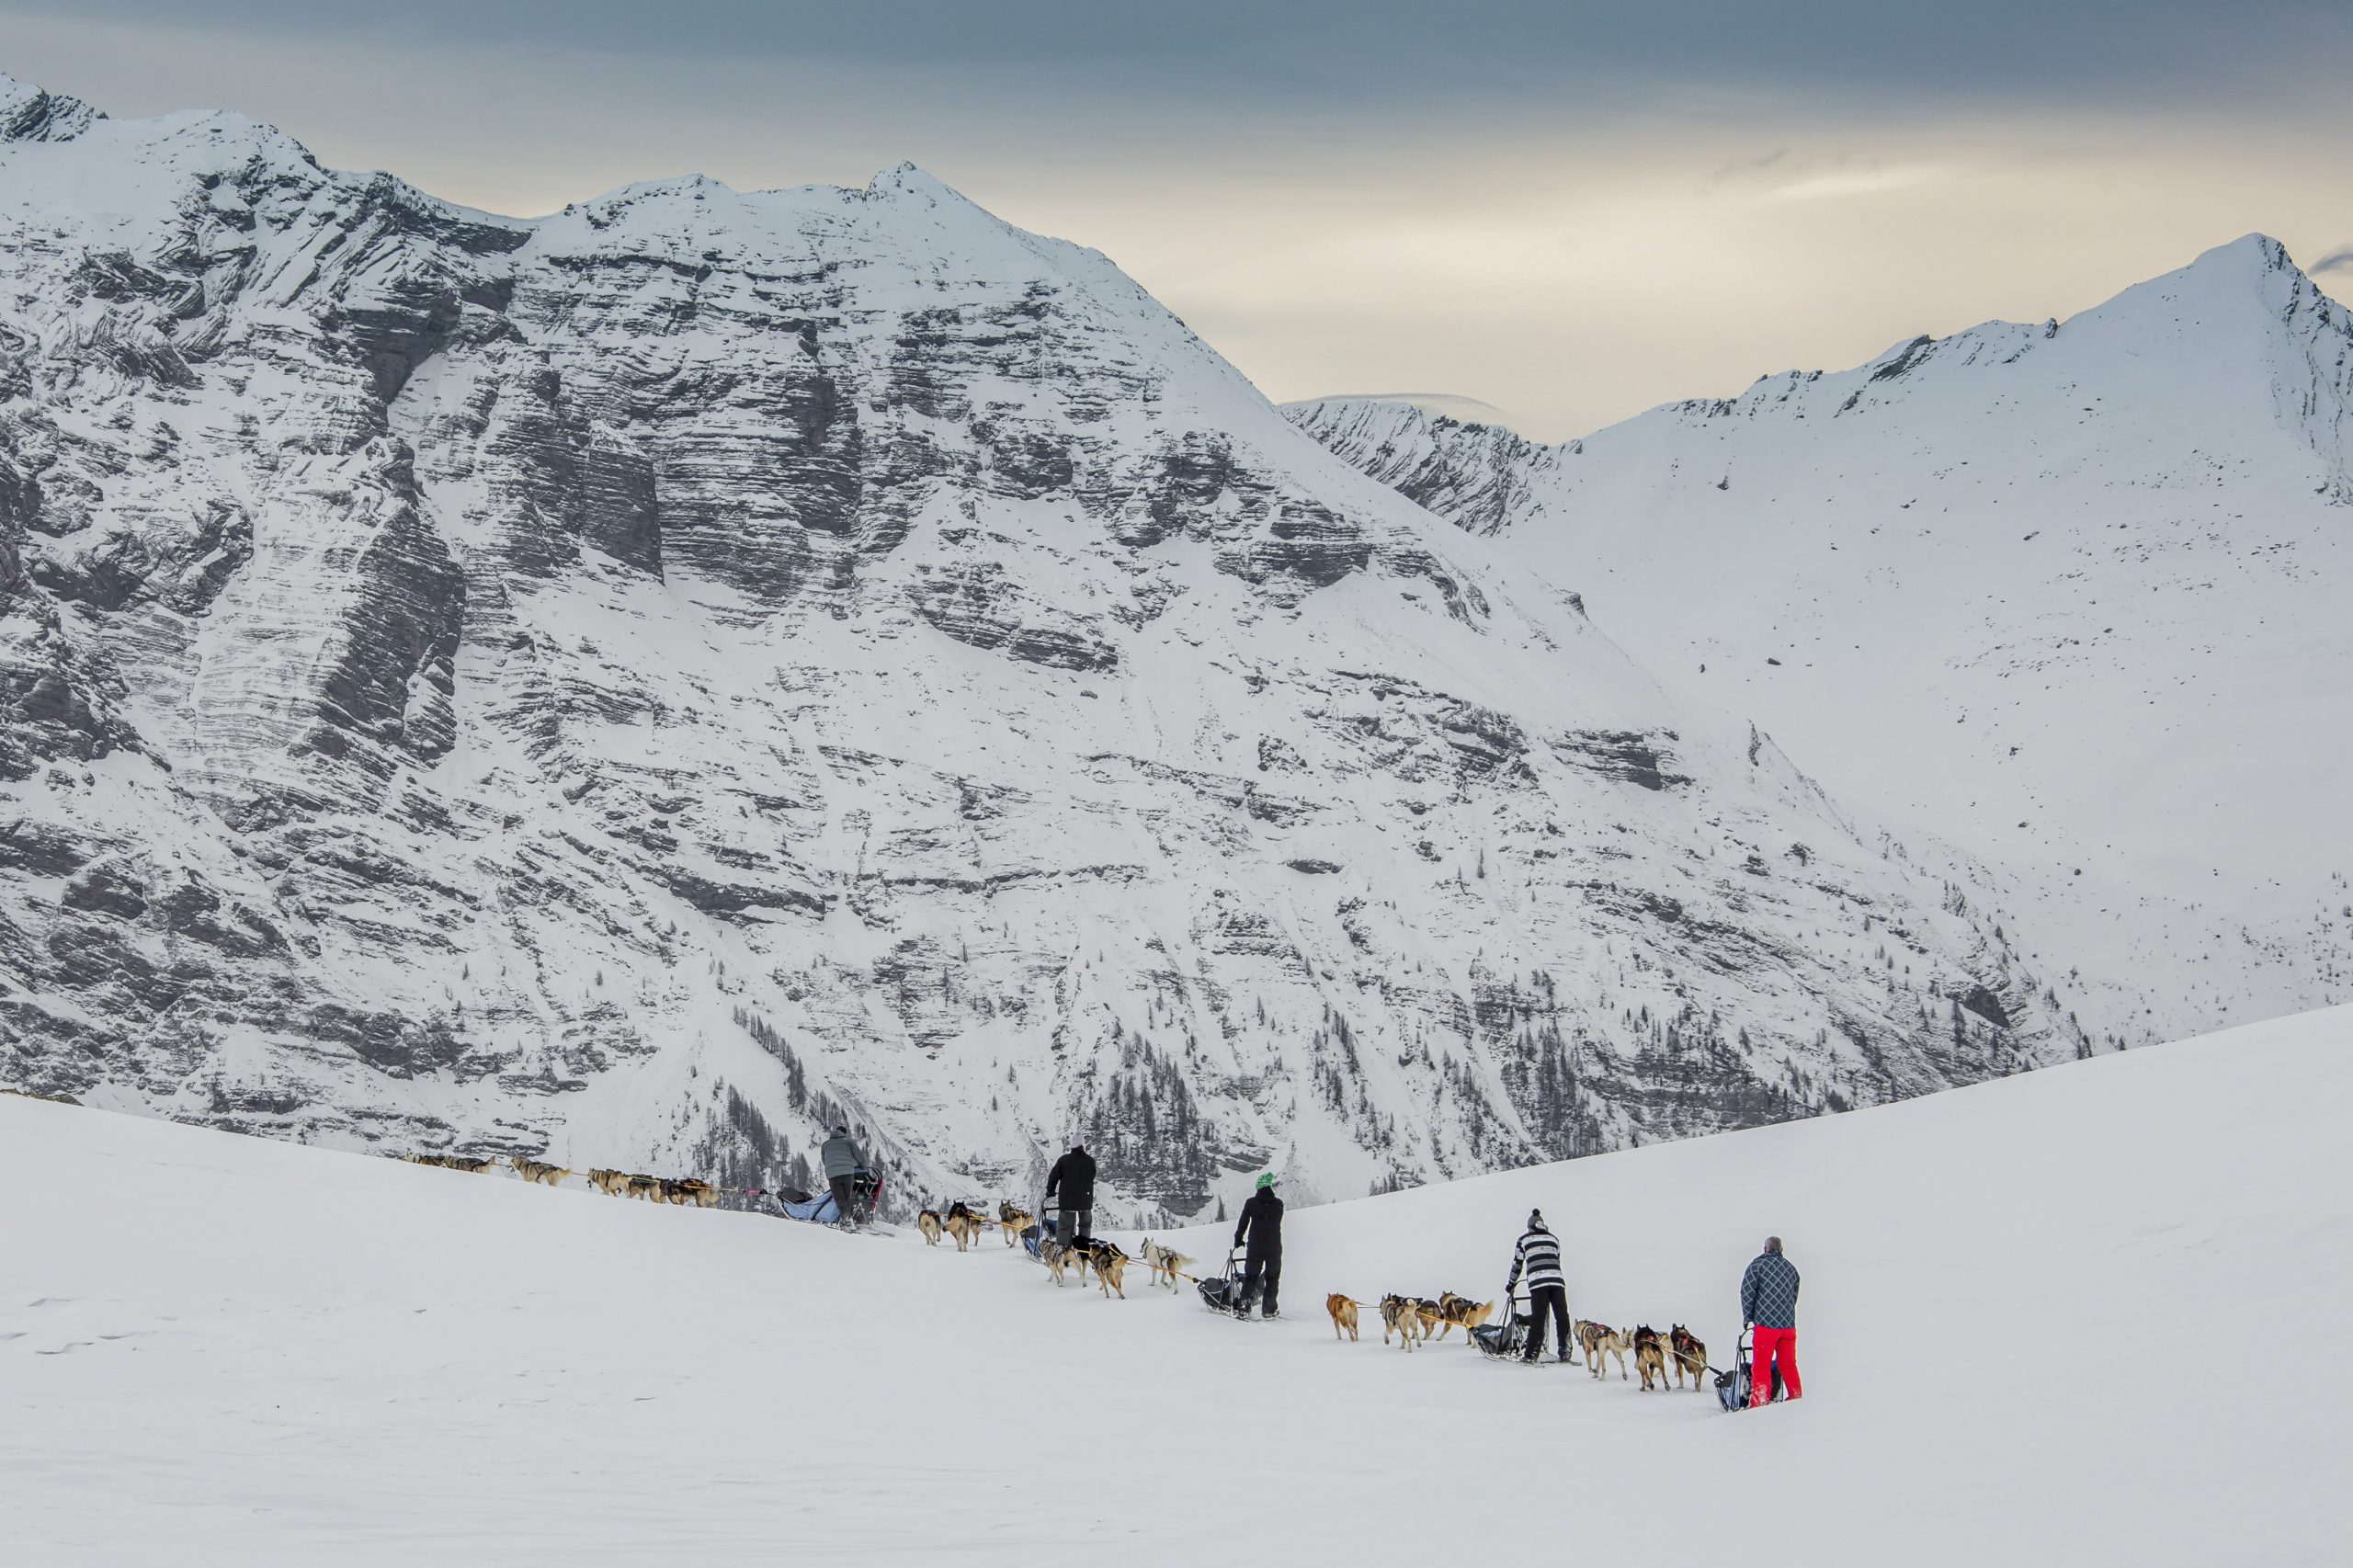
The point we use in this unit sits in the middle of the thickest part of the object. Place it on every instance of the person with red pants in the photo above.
(1768, 1301)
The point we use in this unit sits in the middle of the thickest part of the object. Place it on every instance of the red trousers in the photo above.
(1774, 1347)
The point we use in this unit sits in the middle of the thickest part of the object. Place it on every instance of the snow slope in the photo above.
(638, 685)
(2070, 593)
(2081, 1316)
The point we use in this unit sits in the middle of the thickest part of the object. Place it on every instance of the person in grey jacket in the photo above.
(843, 1165)
(1769, 1303)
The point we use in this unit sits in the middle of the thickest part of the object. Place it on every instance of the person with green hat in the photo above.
(1262, 1265)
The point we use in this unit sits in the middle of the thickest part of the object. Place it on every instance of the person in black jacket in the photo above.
(1262, 1265)
(1070, 1185)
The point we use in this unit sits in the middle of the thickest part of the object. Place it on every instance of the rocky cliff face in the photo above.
(637, 685)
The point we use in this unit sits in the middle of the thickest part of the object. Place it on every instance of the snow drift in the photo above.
(2080, 1316)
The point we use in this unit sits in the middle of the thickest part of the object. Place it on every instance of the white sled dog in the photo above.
(1166, 1263)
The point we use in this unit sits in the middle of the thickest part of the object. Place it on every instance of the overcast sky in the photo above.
(1570, 211)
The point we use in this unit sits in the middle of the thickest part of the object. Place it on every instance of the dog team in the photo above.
(1768, 1290)
(692, 1191)
(1768, 1301)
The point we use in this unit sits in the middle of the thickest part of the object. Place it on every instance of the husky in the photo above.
(1454, 1310)
(1109, 1263)
(647, 1187)
(962, 1224)
(1058, 1256)
(533, 1170)
(612, 1184)
(1649, 1358)
(1400, 1312)
(1012, 1221)
(1686, 1354)
(451, 1161)
(930, 1225)
(1343, 1315)
(1598, 1340)
(1166, 1263)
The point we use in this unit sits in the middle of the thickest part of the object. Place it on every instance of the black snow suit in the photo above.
(1262, 1264)
(1071, 1186)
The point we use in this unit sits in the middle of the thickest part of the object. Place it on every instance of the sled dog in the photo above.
(962, 1224)
(1649, 1358)
(533, 1170)
(1686, 1354)
(612, 1184)
(1398, 1313)
(1343, 1315)
(1454, 1309)
(1057, 1257)
(648, 1188)
(1599, 1339)
(1110, 1265)
(1166, 1263)
(1012, 1221)
(928, 1223)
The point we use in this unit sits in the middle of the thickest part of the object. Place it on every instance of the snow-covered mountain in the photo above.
(2072, 594)
(638, 684)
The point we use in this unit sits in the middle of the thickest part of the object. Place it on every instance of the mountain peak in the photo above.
(29, 114)
(905, 179)
(1462, 409)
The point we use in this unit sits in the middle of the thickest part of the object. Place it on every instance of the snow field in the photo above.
(2081, 1316)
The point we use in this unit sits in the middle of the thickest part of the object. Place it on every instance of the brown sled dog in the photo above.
(1649, 1358)
(1110, 1265)
(1343, 1315)
(1454, 1309)
(1402, 1313)
(962, 1224)
(532, 1170)
(1599, 1339)
(612, 1184)
(1058, 1256)
(1686, 1354)
(928, 1223)
(1012, 1221)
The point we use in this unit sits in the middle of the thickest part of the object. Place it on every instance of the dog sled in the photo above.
(1224, 1294)
(1038, 1232)
(1734, 1387)
(820, 1209)
(1507, 1340)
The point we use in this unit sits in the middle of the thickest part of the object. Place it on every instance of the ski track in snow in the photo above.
(2080, 1316)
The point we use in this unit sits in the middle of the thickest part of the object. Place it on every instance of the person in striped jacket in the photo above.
(1537, 1259)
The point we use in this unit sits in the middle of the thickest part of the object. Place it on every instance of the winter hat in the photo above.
(1266, 1180)
(1536, 1219)
(841, 1131)
(1773, 1243)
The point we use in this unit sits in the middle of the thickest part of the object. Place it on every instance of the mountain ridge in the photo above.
(640, 685)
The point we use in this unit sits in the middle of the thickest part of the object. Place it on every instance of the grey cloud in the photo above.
(2338, 260)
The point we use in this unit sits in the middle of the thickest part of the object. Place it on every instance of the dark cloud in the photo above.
(2338, 260)
(1366, 50)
